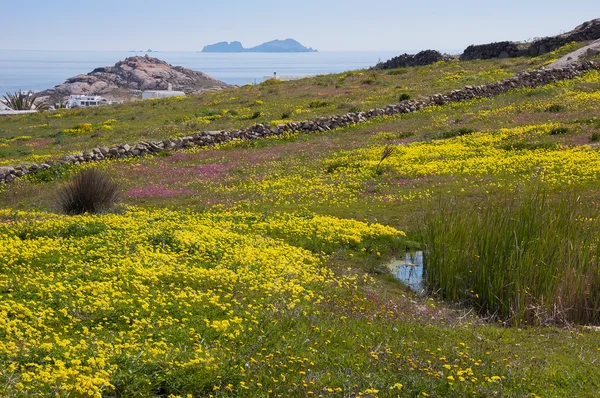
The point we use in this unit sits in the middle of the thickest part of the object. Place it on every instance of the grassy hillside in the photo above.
(39, 137)
(259, 268)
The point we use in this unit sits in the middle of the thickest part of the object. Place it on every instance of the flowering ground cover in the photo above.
(166, 303)
(259, 268)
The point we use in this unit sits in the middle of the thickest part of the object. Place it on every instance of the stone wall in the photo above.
(587, 31)
(507, 49)
(206, 138)
(426, 57)
(503, 49)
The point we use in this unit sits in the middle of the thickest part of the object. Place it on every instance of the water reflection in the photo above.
(410, 270)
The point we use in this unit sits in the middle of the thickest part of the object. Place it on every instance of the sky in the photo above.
(349, 25)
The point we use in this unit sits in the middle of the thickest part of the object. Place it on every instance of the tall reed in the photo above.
(528, 259)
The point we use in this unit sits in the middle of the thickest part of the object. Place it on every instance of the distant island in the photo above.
(275, 46)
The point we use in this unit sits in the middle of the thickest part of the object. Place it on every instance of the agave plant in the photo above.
(20, 101)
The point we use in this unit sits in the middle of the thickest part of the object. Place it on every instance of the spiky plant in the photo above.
(90, 192)
(20, 101)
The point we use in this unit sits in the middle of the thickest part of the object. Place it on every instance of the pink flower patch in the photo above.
(156, 191)
(40, 142)
(211, 170)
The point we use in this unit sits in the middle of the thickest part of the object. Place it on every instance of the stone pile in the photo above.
(503, 49)
(426, 57)
(207, 138)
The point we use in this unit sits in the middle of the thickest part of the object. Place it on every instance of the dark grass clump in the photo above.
(90, 192)
(559, 131)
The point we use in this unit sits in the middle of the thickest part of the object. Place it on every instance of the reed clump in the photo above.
(528, 259)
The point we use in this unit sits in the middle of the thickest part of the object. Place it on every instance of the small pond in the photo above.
(410, 270)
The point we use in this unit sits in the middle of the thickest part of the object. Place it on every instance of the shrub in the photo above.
(82, 128)
(404, 97)
(555, 108)
(396, 72)
(256, 115)
(449, 134)
(595, 137)
(90, 192)
(286, 115)
(559, 131)
(317, 104)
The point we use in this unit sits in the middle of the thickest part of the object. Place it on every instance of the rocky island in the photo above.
(274, 46)
(132, 75)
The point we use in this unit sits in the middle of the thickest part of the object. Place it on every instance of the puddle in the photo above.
(410, 270)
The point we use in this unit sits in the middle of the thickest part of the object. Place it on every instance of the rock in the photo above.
(134, 73)
(6, 170)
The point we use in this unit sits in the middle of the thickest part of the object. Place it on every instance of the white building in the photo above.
(161, 94)
(84, 101)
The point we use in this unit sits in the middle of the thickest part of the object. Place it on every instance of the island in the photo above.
(274, 46)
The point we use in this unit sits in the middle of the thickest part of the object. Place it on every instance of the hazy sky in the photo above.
(188, 25)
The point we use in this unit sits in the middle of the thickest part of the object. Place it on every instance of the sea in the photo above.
(41, 70)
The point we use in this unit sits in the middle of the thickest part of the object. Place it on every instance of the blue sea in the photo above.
(40, 70)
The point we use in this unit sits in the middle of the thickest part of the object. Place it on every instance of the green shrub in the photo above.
(256, 115)
(554, 108)
(404, 97)
(559, 131)
(595, 137)
(286, 115)
(448, 134)
(56, 172)
(317, 104)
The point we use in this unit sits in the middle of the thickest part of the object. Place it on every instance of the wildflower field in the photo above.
(259, 268)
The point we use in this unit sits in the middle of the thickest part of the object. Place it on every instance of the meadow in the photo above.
(259, 268)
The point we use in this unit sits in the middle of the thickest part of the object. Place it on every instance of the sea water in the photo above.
(40, 70)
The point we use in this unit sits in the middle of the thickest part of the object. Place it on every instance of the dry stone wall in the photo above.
(508, 49)
(503, 49)
(588, 31)
(426, 57)
(207, 138)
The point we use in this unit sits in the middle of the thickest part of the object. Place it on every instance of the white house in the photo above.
(84, 101)
(161, 94)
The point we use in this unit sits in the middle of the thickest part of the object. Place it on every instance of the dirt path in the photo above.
(575, 56)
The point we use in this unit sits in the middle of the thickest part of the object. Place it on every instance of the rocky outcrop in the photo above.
(426, 57)
(135, 73)
(503, 49)
(587, 31)
(206, 138)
